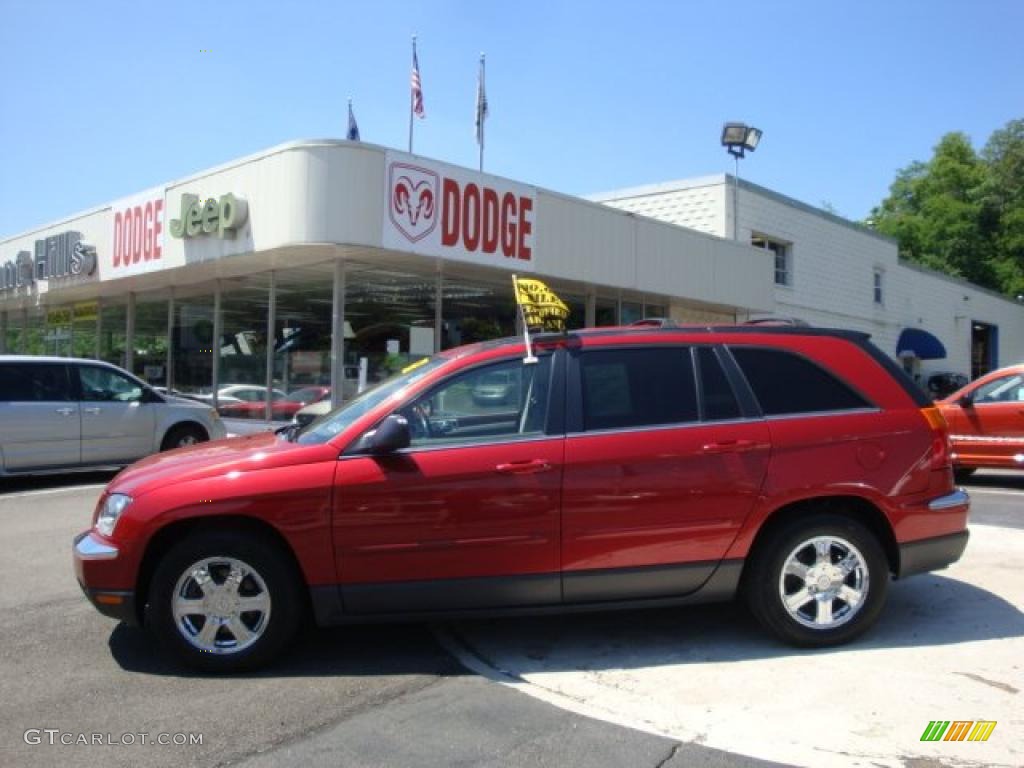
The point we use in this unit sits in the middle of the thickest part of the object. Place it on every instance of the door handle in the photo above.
(91, 411)
(529, 467)
(65, 411)
(731, 446)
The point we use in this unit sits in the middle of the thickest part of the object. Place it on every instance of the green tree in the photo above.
(963, 212)
(1004, 199)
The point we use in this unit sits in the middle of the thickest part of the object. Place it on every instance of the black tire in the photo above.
(962, 474)
(764, 588)
(275, 581)
(183, 435)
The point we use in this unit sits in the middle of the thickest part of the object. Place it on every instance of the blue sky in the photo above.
(102, 99)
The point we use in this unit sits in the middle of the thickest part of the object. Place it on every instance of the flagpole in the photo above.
(480, 116)
(530, 358)
(412, 95)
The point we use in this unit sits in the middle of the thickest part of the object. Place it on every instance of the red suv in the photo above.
(647, 466)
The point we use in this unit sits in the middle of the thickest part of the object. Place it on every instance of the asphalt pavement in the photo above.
(359, 696)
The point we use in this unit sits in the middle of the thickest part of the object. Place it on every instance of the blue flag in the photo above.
(353, 126)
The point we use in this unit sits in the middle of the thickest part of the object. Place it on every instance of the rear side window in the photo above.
(34, 383)
(625, 388)
(786, 383)
(717, 396)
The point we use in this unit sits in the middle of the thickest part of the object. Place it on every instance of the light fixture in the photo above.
(738, 139)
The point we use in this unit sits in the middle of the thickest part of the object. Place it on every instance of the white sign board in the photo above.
(440, 210)
(137, 240)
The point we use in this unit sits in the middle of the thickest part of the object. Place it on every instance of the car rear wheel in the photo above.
(224, 601)
(184, 435)
(818, 581)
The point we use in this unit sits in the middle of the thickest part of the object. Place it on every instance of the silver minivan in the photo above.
(59, 413)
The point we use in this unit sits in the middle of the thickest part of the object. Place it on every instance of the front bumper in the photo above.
(88, 551)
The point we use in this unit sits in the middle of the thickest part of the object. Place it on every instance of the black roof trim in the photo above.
(760, 330)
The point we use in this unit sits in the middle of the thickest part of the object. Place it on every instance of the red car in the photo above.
(797, 467)
(285, 408)
(282, 407)
(986, 422)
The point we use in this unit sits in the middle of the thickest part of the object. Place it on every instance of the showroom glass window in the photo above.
(302, 332)
(57, 333)
(477, 309)
(389, 318)
(113, 321)
(150, 342)
(83, 328)
(192, 344)
(15, 328)
(626, 388)
(245, 304)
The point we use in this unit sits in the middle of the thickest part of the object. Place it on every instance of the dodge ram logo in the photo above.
(413, 193)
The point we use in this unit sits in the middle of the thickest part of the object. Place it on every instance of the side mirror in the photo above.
(965, 401)
(392, 435)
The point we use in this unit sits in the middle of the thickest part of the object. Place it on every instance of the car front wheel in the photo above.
(184, 435)
(818, 581)
(223, 602)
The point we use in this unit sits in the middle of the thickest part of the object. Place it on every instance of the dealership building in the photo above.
(323, 262)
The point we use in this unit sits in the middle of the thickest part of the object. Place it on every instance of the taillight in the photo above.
(941, 450)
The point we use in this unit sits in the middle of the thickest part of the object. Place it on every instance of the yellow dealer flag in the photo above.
(541, 306)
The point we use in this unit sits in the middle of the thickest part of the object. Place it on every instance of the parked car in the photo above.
(941, 385)
(286, 407)
(232, 394)
(245, 401)
(60, 414)
(495, 388)
(308, 413)
(641, 466)
(986, 422)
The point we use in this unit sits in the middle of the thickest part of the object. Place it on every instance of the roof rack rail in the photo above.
(770, 320)
(653, 322)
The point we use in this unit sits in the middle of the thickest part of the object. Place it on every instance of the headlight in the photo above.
(115, 504)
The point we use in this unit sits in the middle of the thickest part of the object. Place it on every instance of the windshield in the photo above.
(340, 419)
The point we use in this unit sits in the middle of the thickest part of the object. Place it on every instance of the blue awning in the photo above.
(917, 342)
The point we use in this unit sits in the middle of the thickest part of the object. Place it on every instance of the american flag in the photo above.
(481, 105)
(417, 87)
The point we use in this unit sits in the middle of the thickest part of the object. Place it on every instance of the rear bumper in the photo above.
(931, 554)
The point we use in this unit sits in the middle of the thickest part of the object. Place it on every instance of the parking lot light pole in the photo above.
(738, 138)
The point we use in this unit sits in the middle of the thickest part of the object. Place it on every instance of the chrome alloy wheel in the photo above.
(187, 440)
(221, 605)
(824, 582)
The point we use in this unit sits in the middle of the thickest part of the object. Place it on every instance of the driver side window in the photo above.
(1008, 389)
(486, 404)
(100, 385)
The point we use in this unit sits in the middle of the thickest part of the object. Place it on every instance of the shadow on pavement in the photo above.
(358, 650)
(1002, 480)
(47, 482)
(928, 610)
